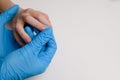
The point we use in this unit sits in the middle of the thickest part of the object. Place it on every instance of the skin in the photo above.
(30, 16)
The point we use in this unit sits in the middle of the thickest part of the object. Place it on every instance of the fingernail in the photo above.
(28, 40)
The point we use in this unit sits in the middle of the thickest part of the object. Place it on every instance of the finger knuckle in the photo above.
(39, 15)
(23, 15)
(46, 15)
(28, 10)
(37, 24)
(26, 17)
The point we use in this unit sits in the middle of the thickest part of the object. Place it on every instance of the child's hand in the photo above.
(33, 17)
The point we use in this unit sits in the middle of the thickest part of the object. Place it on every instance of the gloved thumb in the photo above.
(8, 14)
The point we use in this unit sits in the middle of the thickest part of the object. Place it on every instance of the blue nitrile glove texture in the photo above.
(30, 60)
(7, 41)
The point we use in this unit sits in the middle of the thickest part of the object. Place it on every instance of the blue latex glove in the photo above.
(31, 59)
(27, 61)
(7, 41)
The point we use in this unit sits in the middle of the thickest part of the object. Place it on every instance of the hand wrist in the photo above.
(5, 4)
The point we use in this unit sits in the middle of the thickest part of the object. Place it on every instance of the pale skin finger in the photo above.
(20, 29)
(44, 20)
(17, 37)
(35, 23)
(40, 16)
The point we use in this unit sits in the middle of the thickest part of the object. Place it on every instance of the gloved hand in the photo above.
(29, 60)
(7, 41)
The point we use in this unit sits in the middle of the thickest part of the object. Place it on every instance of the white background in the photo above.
(88, 38)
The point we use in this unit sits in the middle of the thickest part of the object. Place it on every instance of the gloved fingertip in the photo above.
(29, 31)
